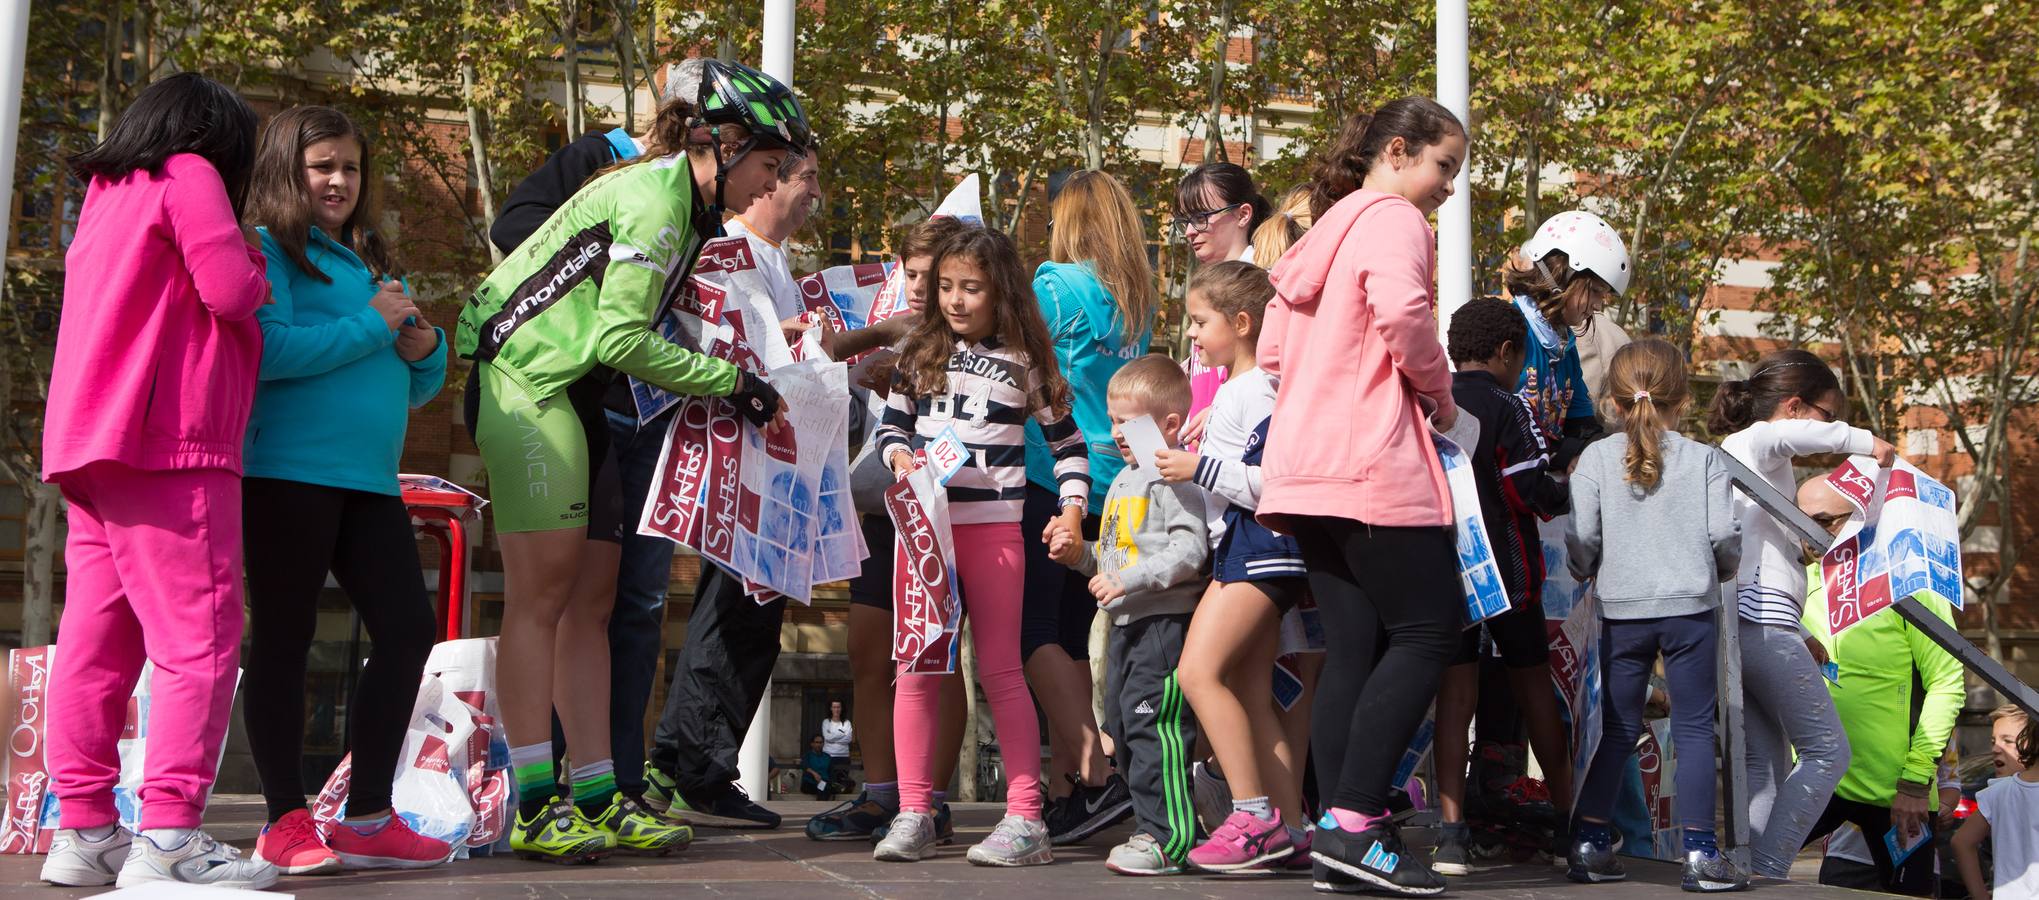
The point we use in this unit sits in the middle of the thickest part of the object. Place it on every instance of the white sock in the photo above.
(168, 838)
(1296, 835)
(1258, 806)
(95, 835)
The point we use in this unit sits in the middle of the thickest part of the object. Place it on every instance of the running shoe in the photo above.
(1242, 843)
(639, 831)
(1591, 863)
(1451, 856)
(1210, 796)
(945, 827)
(1140, 855)
(292, 844)
(77, 860)
(558, 834)
(198, 860)
(911, 838)
(1088, 810)
(723, 806)
(393, 846)
(1376, 857)
(1015, 842)
(852, 820)
(1711, 872)
(1300, 860)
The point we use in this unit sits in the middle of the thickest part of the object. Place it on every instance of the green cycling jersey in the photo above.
(586, 287)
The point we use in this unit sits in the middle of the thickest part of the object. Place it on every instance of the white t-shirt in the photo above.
(773, 265)
(835, 737)
(1242, 403)
(2011, 806)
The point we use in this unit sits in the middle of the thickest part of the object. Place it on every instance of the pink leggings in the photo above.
(155, 574)
(992, 571)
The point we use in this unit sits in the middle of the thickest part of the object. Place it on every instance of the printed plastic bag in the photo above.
(30, 821)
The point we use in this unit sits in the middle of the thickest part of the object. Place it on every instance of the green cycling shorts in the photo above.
(549, 461)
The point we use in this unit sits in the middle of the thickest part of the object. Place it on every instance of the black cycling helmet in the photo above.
(736, 94)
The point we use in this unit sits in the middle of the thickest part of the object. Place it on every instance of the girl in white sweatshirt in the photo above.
(1790, 406)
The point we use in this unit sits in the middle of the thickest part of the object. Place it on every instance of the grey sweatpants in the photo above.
(1786, 708)
(1155, 730)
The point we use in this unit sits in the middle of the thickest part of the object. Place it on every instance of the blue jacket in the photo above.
(334, 398)
(1083, 320)
(1553, 386)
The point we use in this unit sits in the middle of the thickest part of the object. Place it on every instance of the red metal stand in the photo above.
(443, 515)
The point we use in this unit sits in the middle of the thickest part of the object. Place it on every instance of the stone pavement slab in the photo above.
(785, 864)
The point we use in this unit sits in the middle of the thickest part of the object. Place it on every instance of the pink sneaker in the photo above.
(292, 845)
(393, 846)
(1243, 842)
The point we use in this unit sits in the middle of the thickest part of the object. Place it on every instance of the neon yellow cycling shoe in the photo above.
(639, 831)
(557, 834)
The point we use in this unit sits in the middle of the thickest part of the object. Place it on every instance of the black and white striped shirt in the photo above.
(991, 392)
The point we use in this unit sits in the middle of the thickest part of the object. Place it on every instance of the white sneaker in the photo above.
(1015, 842)
(78, 861)
(199, 860)
(910, 839)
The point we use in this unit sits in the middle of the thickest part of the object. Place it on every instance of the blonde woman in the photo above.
(1098, 295)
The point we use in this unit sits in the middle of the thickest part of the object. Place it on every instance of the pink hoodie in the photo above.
(1352, 333)
(158, 346)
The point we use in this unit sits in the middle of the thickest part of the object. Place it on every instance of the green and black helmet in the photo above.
(736, 94)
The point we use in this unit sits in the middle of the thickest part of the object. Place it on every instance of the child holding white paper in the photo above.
(983, 365)
(1258, 577)
(1146, 571)
(1653, 521)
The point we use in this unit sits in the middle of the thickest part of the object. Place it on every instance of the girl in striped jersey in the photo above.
(983, 366)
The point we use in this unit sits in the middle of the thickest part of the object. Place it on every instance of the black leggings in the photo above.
(295, 534)
(1390, 603)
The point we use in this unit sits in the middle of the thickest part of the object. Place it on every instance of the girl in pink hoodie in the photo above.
(154, 376)
(1350, 469)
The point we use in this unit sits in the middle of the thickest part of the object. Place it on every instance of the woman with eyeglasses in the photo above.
(1790, 406)
(1217, 210)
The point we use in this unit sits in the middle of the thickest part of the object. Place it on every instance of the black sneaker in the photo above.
(1711, 872)
(725, 806)
(851, 820)
(1325, 879)
(1590, 863)
(1376, 858)
(1089, 810)
(1451, 856)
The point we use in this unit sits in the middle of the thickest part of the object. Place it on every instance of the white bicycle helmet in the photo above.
(1587, 241)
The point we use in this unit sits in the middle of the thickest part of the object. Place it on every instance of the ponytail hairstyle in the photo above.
(1283, 228)
(1096, 222)
(1646, 388)
(279, 201)
(1418, 121)
(1232, 287)
(1231, 183)
(1550, 286)
(924, 360)
(1780, 375)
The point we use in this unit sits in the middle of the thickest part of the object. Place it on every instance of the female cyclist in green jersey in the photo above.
(549, 329)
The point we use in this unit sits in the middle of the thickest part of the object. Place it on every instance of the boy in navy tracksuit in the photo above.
(1511, 467)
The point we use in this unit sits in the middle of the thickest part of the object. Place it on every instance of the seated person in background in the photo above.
(814, 766)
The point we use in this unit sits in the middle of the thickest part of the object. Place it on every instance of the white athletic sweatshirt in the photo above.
(1770, 585)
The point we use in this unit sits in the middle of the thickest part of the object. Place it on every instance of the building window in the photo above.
(45, 213)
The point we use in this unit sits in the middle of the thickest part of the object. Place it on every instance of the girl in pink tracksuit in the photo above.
(1350, 469)
(149, 395)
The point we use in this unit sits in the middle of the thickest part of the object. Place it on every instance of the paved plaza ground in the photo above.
(785, 864)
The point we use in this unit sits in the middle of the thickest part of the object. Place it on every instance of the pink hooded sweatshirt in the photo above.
(1352, 334)
(158, 346)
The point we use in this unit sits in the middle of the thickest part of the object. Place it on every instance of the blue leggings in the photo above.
(1630, 647)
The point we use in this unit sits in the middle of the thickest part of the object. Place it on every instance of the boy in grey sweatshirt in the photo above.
(1148, 568)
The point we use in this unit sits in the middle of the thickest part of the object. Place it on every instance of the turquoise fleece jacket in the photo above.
(334, 398)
